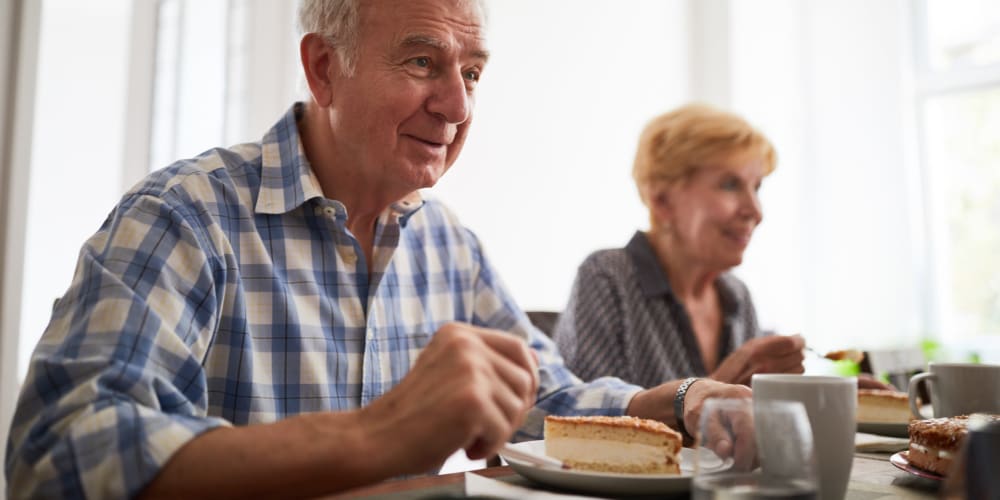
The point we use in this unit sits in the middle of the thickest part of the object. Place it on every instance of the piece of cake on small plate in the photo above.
(936, 442)
(613, 444)
(883, 406)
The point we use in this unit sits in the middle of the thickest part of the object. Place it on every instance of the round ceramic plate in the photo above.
(901, 461)
(608, 482)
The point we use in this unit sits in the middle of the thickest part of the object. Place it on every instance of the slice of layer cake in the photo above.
(934, 443)
(613, 444)
(883, 406)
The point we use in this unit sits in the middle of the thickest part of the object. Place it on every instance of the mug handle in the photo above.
(913, 390)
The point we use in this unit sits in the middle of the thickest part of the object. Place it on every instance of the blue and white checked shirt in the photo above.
(226, 290)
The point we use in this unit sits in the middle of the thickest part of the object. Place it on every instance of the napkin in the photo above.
(476, 485)
(874, 443)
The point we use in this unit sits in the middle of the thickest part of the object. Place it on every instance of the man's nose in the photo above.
(450, 98)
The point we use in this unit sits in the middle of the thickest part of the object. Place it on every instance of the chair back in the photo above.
(544, 320)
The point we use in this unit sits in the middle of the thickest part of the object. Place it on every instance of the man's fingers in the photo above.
(520, 366)
(512, 347)
(496, 426)
(514, 393)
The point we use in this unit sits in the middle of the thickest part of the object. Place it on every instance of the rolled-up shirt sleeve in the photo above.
(116, 385)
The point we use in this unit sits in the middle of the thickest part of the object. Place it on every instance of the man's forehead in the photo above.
(436, 24)
(467, 17)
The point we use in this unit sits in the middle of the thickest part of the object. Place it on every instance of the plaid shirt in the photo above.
(226, 290)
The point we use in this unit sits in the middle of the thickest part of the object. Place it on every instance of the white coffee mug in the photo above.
(958, 389)
(831, 403)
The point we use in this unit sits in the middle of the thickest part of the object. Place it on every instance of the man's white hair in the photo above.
(338, 21)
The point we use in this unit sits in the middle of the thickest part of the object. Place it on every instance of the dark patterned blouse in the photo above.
(623, 320)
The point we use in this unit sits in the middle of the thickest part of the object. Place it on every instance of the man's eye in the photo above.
(423, 62)
(472, 75)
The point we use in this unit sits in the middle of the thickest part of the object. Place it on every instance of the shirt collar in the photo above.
(653, 280)
(407, 206)
(287, 179)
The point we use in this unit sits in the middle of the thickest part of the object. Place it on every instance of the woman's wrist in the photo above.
(679, 398)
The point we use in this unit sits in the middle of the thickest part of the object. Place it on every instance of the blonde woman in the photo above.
(666, 305)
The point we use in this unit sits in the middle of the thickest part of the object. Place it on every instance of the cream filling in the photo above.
(940, 453)
(604, 451)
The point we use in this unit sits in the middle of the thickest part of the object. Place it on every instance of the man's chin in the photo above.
(428, 175)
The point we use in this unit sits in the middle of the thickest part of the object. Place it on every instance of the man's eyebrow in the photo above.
(429, 41)
(421, 40)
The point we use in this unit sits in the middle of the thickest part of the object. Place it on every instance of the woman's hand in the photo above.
(773, 354)
(867, 381)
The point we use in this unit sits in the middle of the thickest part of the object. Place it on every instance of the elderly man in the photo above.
(248, 323)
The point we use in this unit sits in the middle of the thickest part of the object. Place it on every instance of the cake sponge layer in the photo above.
(613, 444)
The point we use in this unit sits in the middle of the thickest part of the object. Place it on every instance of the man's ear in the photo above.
(320, 63)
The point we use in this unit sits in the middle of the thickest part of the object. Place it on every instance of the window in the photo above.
(95, 134)
(189, 89)
(958, 98)
(962, 34)
(76, 148)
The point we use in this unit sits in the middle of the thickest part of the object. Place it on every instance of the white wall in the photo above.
(545, 177)
(835, 257)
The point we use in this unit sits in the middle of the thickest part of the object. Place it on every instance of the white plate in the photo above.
(609, 482)
(885, 429)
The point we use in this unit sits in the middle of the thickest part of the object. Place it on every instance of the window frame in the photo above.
(929, 84)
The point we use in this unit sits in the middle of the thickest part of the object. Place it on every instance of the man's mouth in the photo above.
(430, 142)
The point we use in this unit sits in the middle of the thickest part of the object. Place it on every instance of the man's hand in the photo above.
(773, 354)
(469, 389)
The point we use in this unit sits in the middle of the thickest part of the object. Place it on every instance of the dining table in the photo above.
(873, 477)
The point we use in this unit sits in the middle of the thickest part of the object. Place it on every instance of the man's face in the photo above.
(402, 118)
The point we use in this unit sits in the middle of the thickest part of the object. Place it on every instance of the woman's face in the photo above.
(711, 215)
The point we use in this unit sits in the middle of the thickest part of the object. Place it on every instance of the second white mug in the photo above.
(958, 389)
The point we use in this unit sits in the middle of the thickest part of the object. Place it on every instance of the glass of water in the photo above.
(754, 451)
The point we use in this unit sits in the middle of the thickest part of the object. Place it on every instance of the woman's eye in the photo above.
(472, 76)
(730, 184)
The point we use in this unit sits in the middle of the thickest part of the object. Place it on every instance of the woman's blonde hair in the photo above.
(675, 144)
